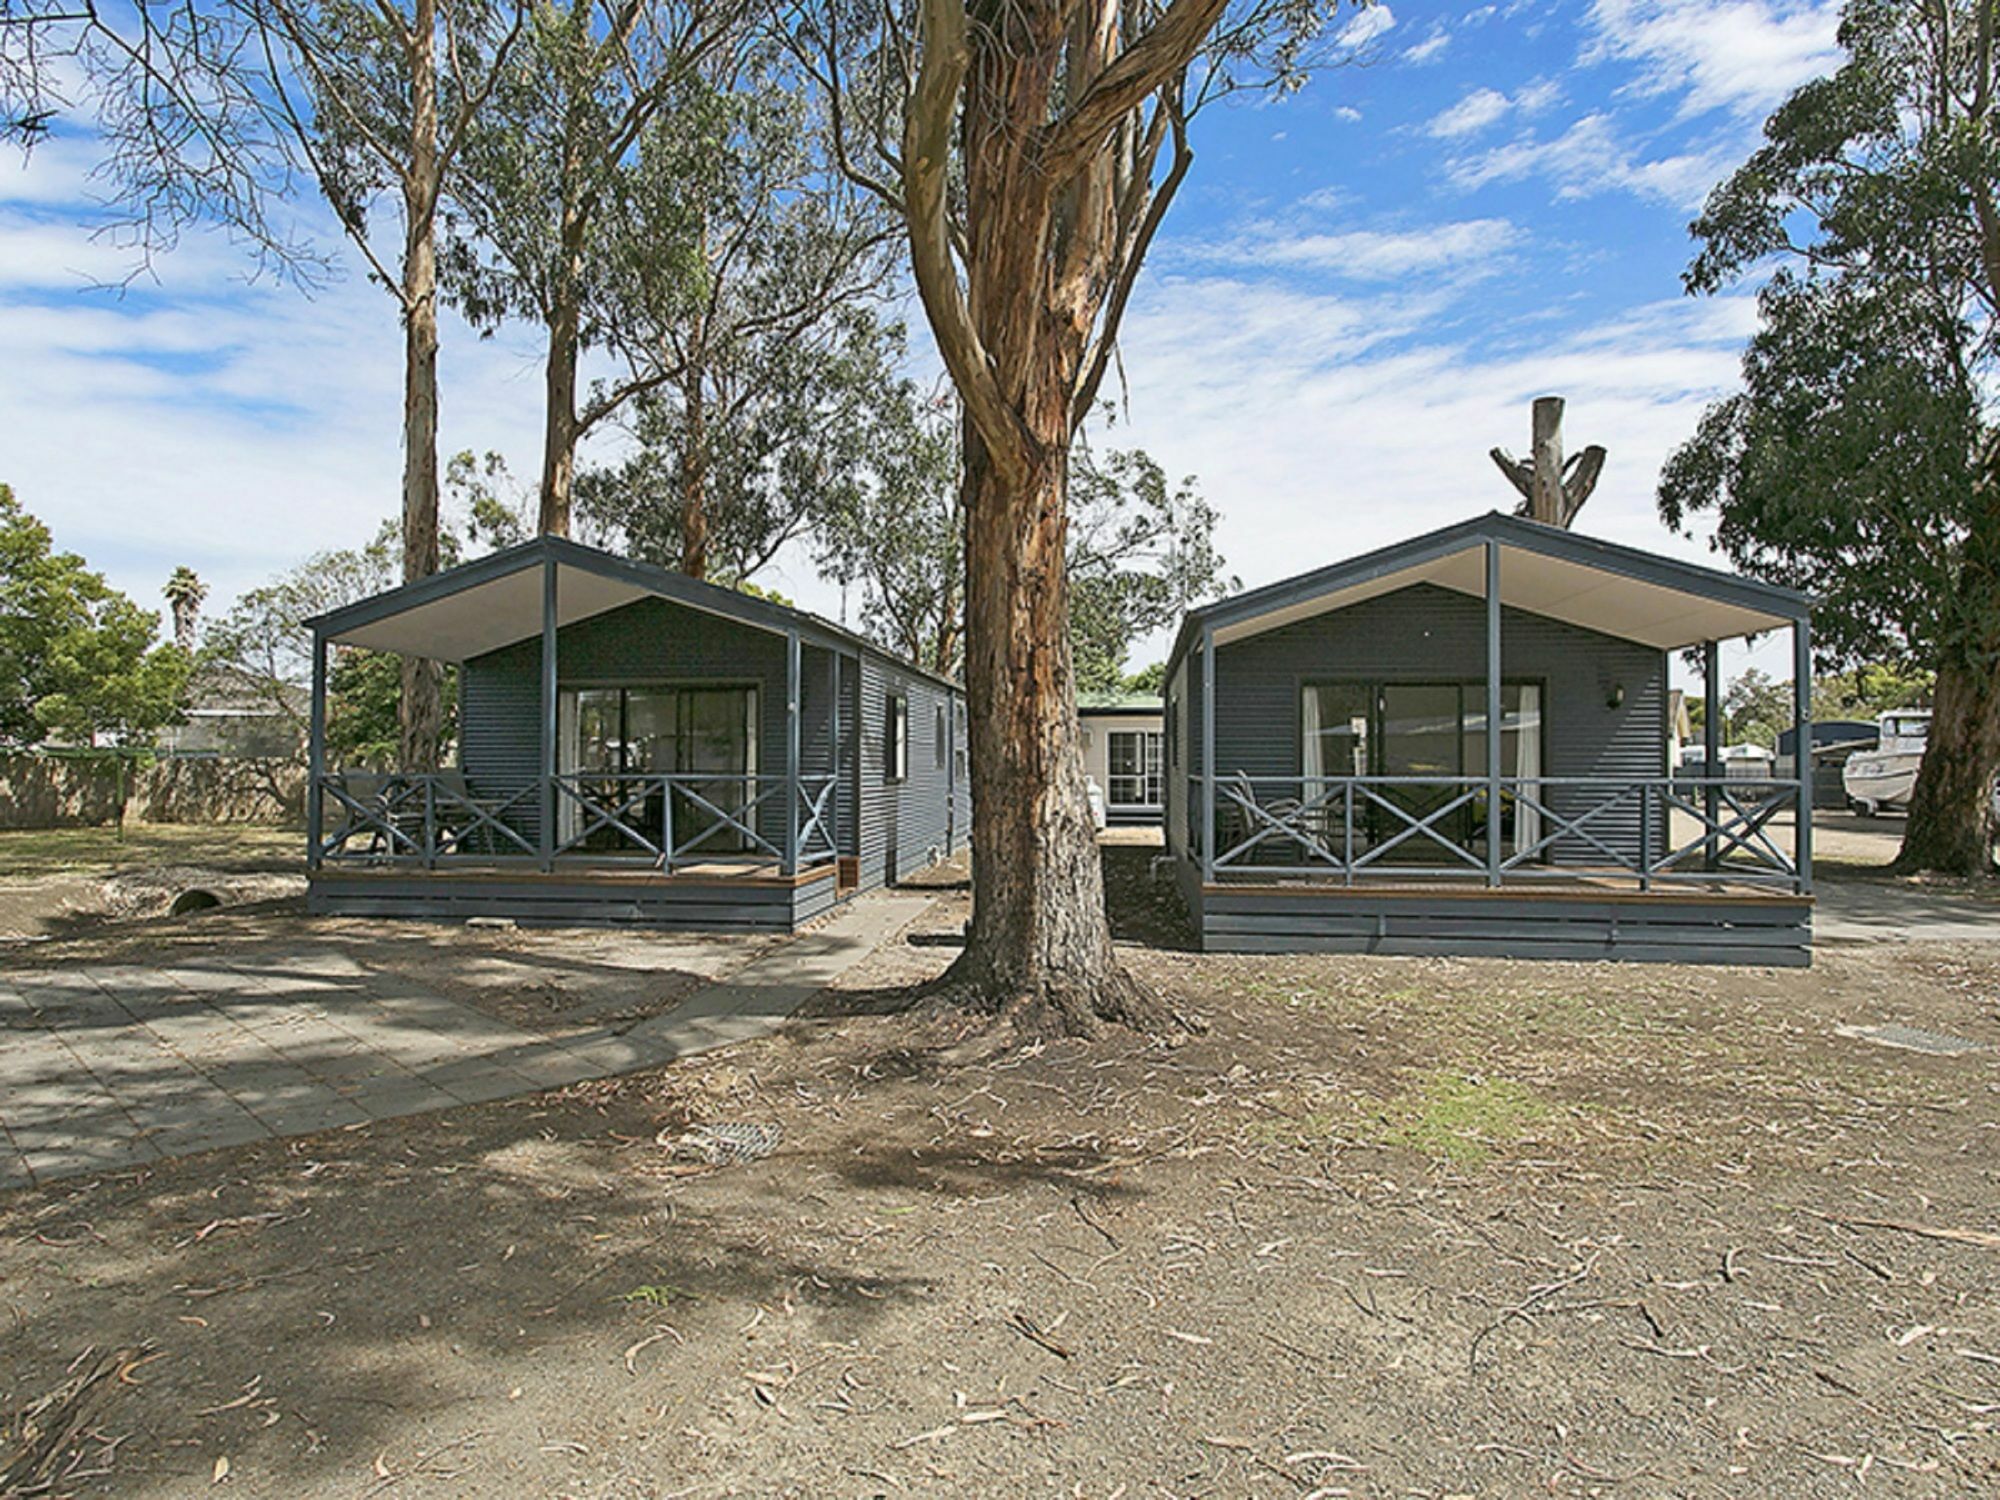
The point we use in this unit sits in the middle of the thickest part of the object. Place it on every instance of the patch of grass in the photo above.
(38, 854)
(658, 1296)
(1462, 1119)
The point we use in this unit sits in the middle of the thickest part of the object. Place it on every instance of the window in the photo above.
(1433, 734)
(939, 734)
(1133, 761)
(896, 738)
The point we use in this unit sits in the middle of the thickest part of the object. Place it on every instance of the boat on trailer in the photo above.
(1881, 780)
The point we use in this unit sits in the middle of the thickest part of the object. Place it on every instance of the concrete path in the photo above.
(115, 1065)
(1872, 911)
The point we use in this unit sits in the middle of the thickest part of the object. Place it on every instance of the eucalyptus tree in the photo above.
(1861, 460)
(1139, 550)
(748, 387)
(1032, 150)
(379, 98)
(565, 219)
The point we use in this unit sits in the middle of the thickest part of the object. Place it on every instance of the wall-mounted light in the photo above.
(1614, 696)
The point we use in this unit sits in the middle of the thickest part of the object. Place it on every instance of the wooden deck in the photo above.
(752, 895)
(1582, 914)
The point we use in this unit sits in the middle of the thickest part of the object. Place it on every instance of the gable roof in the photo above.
(496, 601)
(1603, 586)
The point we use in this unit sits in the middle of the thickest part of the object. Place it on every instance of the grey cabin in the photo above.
(634, 746)
(1332, 784)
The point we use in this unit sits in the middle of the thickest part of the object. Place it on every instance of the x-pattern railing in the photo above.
(424, 818)
(1348, 826)
(415, 817)
(816, 836)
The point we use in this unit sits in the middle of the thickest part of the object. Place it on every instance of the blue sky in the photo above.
(1359, 293)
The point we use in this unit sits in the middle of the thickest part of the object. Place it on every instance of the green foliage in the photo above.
(897, 533)
(1141, 552)
(1149, 679)
(497, 512)
(1849, 464)
(1871, 690)
(758, 389)
(78, 659)
(1756, 710)
(364, 692)
(767, 446)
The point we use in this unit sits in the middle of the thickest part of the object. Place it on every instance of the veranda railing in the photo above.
(1654, 830)
(432, 819)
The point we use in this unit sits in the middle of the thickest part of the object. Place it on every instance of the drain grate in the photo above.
(1910, 1039)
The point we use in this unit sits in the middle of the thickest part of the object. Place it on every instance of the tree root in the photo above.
(1054, 1005)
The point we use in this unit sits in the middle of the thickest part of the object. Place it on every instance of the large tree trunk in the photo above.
(559, 425)
(421, 718)
(1951, 828)
(1039, 947)
(694, 484)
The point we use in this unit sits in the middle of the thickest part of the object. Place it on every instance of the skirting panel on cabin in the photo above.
(684, 906)
(1639, 927)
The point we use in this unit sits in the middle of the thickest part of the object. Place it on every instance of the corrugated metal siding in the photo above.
(1178, 760)
(499, 735)
(1424, 633)
(903, 825)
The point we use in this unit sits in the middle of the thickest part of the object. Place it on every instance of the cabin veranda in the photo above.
(1358, 802)
(635, 746)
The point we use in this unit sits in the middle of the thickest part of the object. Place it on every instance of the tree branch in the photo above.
(932, 111)
(1145, 67)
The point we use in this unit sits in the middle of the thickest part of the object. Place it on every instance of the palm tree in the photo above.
(184, 593)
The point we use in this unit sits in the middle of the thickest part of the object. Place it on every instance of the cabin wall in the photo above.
(1179, 761)
(907, 825)
(649, 642)
(1428, 634)
(1098, 726)
(895, 829)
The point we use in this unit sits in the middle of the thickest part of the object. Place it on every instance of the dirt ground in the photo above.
(1387, 1228)
(61, 882)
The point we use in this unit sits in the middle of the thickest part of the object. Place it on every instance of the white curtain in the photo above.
(1312, 761)
(1527, 766)
(569, 752)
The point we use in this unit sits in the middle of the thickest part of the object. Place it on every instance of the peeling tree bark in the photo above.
(1951, 827)
(422, 712)
(1056, 163)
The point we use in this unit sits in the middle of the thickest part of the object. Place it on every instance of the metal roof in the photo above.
(1603, 586)
(496, 601)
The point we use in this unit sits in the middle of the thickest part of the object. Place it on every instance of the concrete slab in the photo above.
(1877, 911)
(111, 1066)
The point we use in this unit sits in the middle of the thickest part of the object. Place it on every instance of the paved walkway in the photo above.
(108, 1065)
(1874, 911)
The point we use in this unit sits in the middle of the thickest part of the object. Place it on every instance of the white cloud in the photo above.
(1430, 48)
(1390, 255)
(1347, 114)
(235, 428)
(1738, 55)
(1369, 24)
(1591, 157)
(1323, 425)
(1483, 108)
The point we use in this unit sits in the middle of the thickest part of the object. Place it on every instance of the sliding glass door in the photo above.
(1434, 731)
(707, 734)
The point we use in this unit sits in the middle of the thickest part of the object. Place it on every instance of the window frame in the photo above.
(896, 737)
